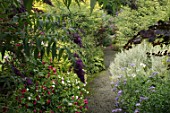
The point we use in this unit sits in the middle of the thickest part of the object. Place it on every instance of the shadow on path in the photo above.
(101, 97)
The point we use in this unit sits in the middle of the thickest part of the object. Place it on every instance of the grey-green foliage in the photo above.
(129, 22)
(125, 61)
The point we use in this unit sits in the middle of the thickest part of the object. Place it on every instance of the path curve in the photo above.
(101, 97)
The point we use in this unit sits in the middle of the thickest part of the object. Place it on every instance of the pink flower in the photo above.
(43, 62)
(87, 107)
(72, 97)
(50, 67)
(23, 91)
(35, 110)
(35, 102)
(18, 44)
(54, 70)
(76, 103)
(48, 101)
(85, 101)
(80, 107)
(42, 33)
(49, 93)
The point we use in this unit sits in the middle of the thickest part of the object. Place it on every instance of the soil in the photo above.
(101, 97)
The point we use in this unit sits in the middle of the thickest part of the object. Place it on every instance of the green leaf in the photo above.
(54, 50)
(3, 52)
(42, 52)
(48, 48)
(61, 50)
(28, 4)
(30, 104)
(38, 43)
(92, 5)
(78, 2)
(36, 53)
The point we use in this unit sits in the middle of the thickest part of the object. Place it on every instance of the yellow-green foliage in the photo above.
(129, 22)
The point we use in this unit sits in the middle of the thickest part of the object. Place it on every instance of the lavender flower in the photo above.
(116, 110)
(132, 64)
(119, 92)
(153, 74)
(117, 98)
(151, 88)
(143, 98)
(29, 81)
(137, 104)
(136, 111)
(168, 60)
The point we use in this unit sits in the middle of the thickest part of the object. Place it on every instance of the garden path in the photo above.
(101, 97)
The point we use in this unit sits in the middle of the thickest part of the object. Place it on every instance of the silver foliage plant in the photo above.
(130, 62)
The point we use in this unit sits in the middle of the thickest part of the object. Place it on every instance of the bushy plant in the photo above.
(51, 91)
(141, 81)
(129, 21)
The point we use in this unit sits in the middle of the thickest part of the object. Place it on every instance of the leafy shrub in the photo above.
(52, 91)
(129, 21)
(140, 81)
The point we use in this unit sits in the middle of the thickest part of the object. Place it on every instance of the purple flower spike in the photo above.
(116, 110)
(119, 92)
(29, 81)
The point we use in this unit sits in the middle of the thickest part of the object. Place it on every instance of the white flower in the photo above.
(78, 87)
(62, 78)
(133, 75)
(53, 85)
(62, 82)
(53, 82)
(143, 65)
(70, 104)
(77, 97)
(31, 95)
(27, 89)
(29, 98)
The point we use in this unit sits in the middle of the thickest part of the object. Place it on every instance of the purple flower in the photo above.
(132, 64)
(136, 111)
(77, 39)
(137, 104)
(143, 98)
(125, 81)
(29, 81)
(151, 88)
(78, 69)
(168, 60)
(117, 98)
(123, 68)
(119, 92)
(79, 64)
(117, 84)
(116, 110)
(17, 72)
(76, 55)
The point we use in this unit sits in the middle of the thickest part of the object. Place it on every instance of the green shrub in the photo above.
(52, 91)
(129, 21)
(140, 81)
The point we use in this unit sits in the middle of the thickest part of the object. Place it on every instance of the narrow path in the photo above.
(101, 97)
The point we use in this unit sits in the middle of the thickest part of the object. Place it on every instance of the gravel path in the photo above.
(101, 97)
